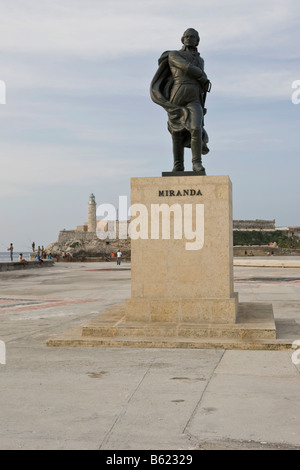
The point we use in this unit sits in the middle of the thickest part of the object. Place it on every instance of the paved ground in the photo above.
(90, 398)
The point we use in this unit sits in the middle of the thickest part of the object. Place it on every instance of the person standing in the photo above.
(11, 249)
(119, 257)
(33, 247)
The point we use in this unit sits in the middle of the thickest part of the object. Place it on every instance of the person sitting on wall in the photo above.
(21, 259)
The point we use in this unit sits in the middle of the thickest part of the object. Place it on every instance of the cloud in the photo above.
(79, 114)
(264, 83)
(111, 48)
(100, 29)
(51, 165)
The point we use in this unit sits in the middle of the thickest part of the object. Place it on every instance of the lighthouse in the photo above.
(92, 223)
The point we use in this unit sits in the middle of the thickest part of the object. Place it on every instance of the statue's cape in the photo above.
(160, 88)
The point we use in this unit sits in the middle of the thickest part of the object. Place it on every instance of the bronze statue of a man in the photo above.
(180, 86)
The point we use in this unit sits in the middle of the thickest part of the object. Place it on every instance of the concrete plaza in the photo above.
(127, 398)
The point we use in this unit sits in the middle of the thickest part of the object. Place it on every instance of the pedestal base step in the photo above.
(255, 329)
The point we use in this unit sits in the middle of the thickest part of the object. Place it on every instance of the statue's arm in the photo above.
(176, 60)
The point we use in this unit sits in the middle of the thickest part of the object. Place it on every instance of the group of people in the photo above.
(249, 254)
(40, 254)
(11, 250)
(119, 256)
(67, 256)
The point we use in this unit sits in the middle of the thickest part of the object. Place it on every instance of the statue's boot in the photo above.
(196, 145)
(178, 153)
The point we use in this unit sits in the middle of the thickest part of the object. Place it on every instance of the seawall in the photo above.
(14, 266)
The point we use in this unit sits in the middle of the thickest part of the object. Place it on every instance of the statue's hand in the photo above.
(206, 85)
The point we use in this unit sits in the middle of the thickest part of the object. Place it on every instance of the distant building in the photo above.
(265, 226)
(256, 224)
(93, 225)
(92, 218)
(95, 239)
(294, 232)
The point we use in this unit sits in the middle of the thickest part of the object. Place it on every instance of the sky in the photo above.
(78, 117)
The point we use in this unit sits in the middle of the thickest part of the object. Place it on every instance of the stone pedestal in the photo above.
(176, 278)
(182, 293)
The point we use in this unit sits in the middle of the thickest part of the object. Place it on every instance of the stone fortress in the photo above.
(265, 226)
(84, 243)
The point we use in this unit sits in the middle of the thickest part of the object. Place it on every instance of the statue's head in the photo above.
(190, 37)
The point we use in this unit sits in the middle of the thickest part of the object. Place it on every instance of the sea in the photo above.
(5, 256)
